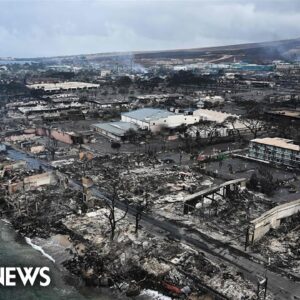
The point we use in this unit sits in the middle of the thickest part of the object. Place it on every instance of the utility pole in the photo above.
(180, 158)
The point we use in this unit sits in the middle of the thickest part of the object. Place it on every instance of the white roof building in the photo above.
(145, 116)
(278, 142)
(217, 116)
(155, 119)
(68, 85)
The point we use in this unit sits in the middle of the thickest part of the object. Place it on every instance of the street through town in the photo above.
(281, 286)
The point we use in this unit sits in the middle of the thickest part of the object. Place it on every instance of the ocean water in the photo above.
(15, 252)
(10, 62)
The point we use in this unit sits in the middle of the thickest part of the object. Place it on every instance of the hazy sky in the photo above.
(30, 28)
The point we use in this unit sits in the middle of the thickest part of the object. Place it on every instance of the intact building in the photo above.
(155, 119)
(63, 86)
(145, 117)
(114, 130)
(275, 150)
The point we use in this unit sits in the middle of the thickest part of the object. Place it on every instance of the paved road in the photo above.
(281, 287)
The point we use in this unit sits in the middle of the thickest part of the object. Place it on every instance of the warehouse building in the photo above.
(155, 119)
(114, 130)
(145, 117)
(63, 86)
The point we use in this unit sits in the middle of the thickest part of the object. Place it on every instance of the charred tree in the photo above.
(111, 206)
(139, 209)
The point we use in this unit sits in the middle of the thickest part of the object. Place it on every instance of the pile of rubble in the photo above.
(127, 257)
(39, 212)
(141, 176)
(228, 218)
(281, 247)
(134, 262)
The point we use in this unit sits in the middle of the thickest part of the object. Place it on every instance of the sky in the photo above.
(38, 28)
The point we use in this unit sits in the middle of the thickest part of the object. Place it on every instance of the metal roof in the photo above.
(116, 128)
(148, 114)
(213, 189)
(62, 85)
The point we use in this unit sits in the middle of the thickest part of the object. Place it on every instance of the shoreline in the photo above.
(38, 244)
(39, 248)
(69, 279)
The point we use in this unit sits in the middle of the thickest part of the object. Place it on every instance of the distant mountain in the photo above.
(251, 52)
